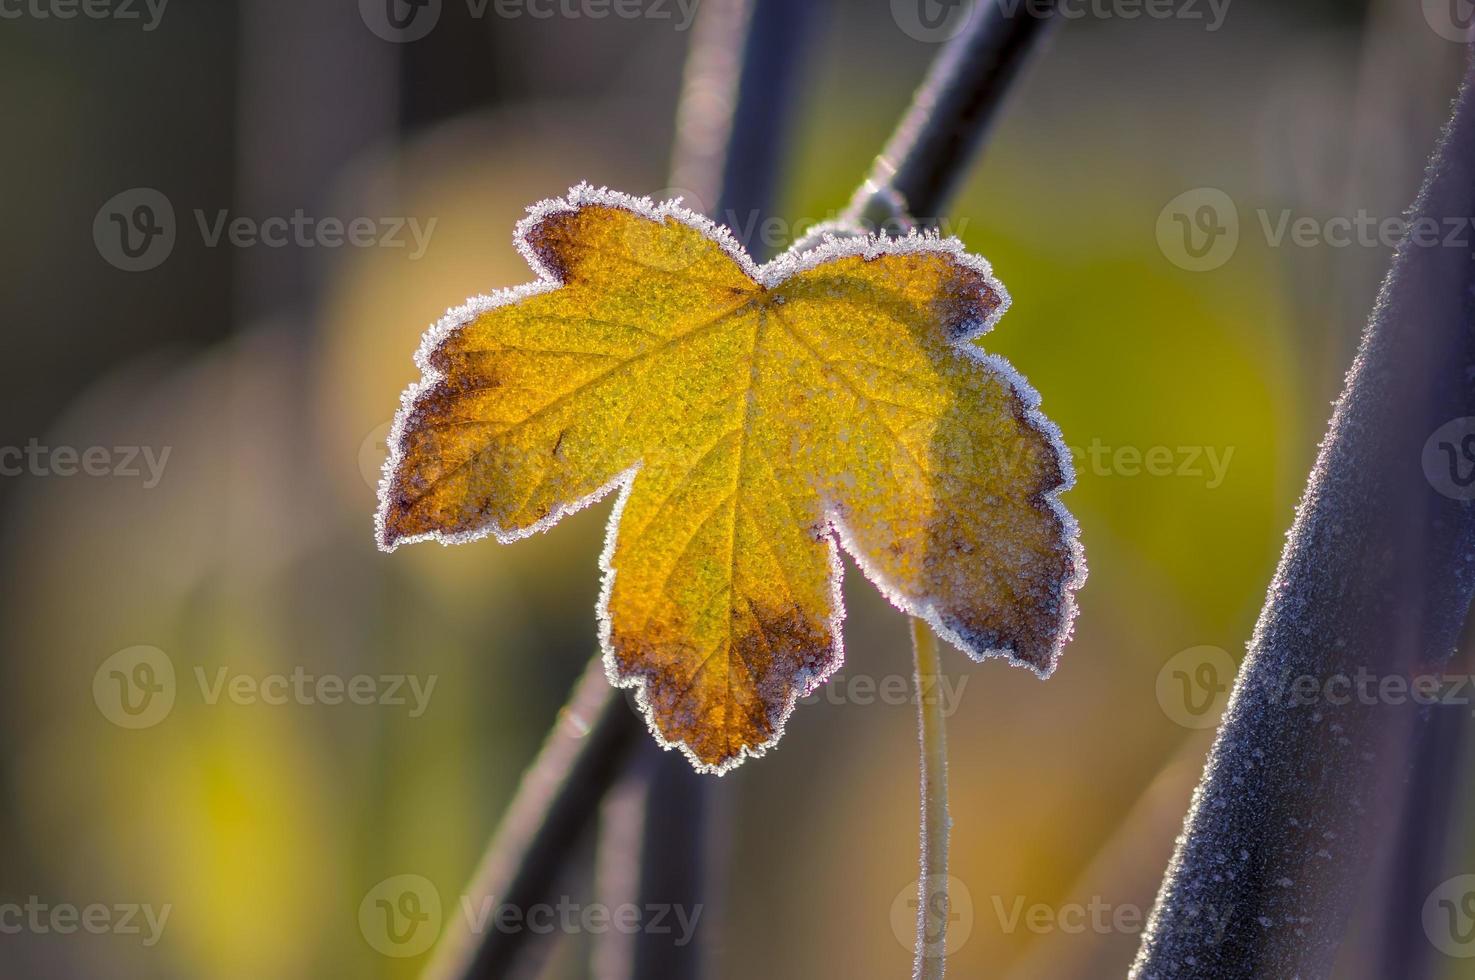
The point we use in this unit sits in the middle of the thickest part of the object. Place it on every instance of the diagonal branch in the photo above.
(918, 172)
(1305, 781)
(553, 808)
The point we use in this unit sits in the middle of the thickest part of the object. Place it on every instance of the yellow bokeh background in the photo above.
(265, 826)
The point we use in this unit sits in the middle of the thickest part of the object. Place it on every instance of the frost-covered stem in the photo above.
(926, 157)
(910, 183)
(932, 891)
(1305, 785)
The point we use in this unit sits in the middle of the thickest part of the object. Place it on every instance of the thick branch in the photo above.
(1302, 785)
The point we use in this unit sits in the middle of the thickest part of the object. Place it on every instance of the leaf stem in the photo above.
(932, 887)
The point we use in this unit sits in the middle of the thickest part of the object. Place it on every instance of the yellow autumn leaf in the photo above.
(752, 419)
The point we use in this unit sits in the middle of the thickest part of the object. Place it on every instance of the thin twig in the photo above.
(933, 909)
(552, 809)
(920, 168)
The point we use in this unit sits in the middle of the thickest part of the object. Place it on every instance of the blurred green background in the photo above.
(269, 375)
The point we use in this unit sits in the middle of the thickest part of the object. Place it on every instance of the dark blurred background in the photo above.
(237, 395)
